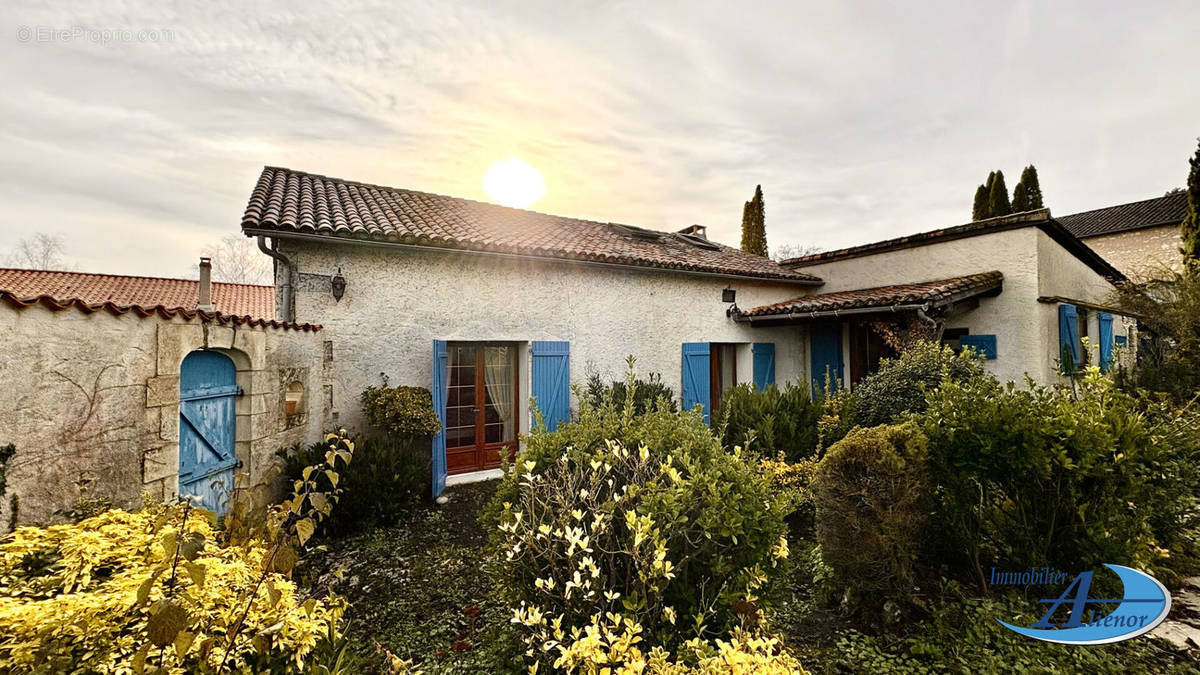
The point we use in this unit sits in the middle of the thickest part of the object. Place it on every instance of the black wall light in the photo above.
(728, 295)
(338, 285)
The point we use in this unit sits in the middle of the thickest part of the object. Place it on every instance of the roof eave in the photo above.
(307, 236)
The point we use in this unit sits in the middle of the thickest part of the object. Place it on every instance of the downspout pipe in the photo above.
(287, 312)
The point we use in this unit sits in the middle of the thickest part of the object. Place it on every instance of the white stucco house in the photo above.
(488, 306)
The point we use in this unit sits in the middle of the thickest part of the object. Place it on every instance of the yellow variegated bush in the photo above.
(612, 644)
(645, 516)
(162, 590)
(69, 597)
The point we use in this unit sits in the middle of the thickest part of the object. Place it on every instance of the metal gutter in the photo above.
(834, 313)
(1055, 300)
(325, 239)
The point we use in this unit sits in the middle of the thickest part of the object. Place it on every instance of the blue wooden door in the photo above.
(207, 391)
(826, 356)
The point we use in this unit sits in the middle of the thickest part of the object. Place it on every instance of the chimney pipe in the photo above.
(205, 301)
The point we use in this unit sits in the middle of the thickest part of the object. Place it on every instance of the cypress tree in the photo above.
(998, 204)
(1189, 229)
(1020, 198)
(754, 225)
(979, 210)
(1027, 195)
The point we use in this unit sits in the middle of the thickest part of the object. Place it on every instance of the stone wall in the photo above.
(91, 402)
(1141, 254)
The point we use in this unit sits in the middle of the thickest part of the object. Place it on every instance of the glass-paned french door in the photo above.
(481, 404)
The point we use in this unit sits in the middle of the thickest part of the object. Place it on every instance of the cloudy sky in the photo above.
(860, 120)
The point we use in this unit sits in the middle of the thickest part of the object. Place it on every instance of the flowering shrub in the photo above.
(75, 598)
(612, 644)
(645, 516)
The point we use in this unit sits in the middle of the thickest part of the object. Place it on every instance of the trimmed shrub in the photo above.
(872, 495)
(900, 384)
(642, 516)
(771, 421)
(400, 412)
(1065, 477)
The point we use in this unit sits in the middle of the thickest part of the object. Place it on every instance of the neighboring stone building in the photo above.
(488, 306)
(92, 396)
(1140, 238)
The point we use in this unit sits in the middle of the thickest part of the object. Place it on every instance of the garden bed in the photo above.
(418, 589)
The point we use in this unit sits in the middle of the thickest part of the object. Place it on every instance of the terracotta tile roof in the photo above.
(1168, 210)
(286, 201)
(1040, 219)
(933, 293)
(239, 304)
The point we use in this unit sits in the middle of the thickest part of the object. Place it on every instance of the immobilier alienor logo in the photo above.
(1143, 604)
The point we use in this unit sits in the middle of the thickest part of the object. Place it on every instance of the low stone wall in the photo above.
(91, 403)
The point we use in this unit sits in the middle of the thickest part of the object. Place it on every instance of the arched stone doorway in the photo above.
(207, 428)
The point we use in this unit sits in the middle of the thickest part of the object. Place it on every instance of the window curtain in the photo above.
(497, 377)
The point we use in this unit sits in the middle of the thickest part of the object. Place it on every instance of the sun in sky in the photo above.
(514, 183)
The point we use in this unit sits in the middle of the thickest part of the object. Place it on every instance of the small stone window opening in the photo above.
(293, 399)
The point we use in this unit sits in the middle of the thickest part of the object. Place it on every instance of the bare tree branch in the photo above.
(785, 251)
(237, 260)
(42, 251)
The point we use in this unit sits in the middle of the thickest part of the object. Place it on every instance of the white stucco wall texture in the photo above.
(1033, 265)
(91, 403)
(397, 301)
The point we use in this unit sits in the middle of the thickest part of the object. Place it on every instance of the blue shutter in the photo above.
(1106, 340)
(439, 406)
(552, 381)
(1068, 339)
(984, 345)
(764, 364)
(695, 376)
(826, 357)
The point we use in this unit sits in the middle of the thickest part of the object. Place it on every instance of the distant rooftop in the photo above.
(1039, 218)
(1167, 210)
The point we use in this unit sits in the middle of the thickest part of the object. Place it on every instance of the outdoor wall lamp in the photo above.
(729, 295)
(338, 285)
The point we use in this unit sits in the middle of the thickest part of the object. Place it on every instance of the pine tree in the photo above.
(754, 225)
(979, 210)
(1189, 229)
(998, 204)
